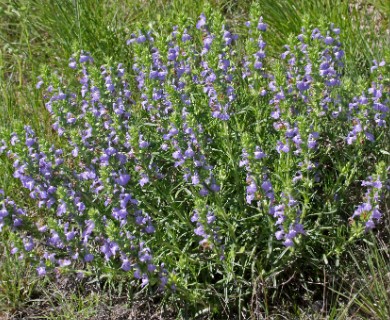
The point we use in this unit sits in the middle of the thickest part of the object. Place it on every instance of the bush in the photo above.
(203, 166)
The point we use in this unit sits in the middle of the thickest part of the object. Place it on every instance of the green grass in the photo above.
(369, 285)
(18, 281)
(34, 35)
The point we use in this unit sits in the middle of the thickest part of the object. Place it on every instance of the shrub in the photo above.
(203, 166)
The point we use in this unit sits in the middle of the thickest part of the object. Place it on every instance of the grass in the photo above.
(18, 281)
(35, 35)
(361, 292)
(369, 286)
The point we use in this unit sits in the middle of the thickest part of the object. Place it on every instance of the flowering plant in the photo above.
(203, 161)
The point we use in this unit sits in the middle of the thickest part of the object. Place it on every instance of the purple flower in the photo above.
(75, 152)
(298, 176)
(64, 262)
(266, 185)
(195, 216)
(299, 228)
(144, 255)
(377, 184)
(278, 212)
(291, 234)
(3, 212)
(80, 206)
(88, 257)
(357, 127)
(244, 157)
(369, 136)
(70, 235)
(365, 207)
(195, 179)
(95, 94)
(72, 63)
(61, 209)
(210, 217)
(328, 40)
(3, 147)
(279, 235)
(123, 179)
(376, 214)
(186, 36)
(143, 144)
(258, 64)
(336, 31)
(137, 273)
(260, 54)
(351, 138)
(250, 197)
(282, 147)
(145, 280)
(141, 38)
(149, 229)
(259, 154)
(85, 58)
(203, 192)
(177, 155)
(206, 47)
(199, 231)
(144, 180)
(126, 265)
(151, 267)
(252, 188)
(189, 153)
(28, 244)
(109, 249)
(39, 84)
(370, 225)
(41, 271)
(201, 22)
(311, 142)
(261, 25)
(215, 187)
(303, 85)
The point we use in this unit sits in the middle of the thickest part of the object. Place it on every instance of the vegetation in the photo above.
(223, 160)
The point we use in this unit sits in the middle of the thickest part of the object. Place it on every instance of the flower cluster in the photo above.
(369, 211)
(206, 229)
(202, 121)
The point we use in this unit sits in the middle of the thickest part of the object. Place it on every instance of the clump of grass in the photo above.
(18, 279)
(367, 291)
(363, 43)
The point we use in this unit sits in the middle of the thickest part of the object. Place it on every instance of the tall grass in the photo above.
(364, 26)
(34, 34)
(366, 289)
